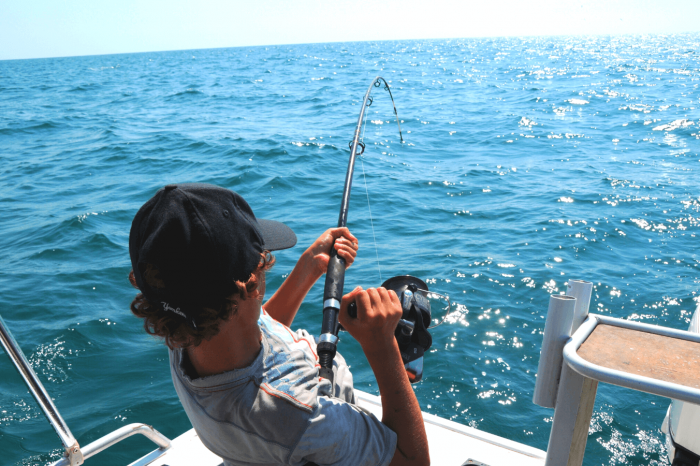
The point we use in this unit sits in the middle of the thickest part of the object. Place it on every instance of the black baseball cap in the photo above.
(190, 242)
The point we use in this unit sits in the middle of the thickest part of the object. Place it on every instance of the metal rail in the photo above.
(576, 379)
(74, 455)
(117, 436)
(39, 393)
(626, 379)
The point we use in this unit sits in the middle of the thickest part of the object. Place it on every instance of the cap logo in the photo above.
(177, 311)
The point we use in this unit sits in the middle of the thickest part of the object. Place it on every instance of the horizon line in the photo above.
(357, 41)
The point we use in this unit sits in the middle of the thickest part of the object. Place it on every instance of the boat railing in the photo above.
(581, 349)
(74, 455)
(117, 436)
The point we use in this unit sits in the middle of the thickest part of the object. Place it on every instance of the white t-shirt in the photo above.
(277, 411)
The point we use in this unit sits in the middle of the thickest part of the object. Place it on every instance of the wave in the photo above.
(188, 92)
(47, 125)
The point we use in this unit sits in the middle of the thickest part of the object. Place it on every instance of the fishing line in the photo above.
(376, 249)
(364, 177)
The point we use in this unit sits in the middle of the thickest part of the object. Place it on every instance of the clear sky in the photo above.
(55, 28)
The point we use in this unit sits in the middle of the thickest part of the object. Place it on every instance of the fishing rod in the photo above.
(411, 332)
(335, 275)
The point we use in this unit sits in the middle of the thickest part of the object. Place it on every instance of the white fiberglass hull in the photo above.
(450, 444)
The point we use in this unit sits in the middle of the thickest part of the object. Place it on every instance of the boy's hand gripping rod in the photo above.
(335, 275)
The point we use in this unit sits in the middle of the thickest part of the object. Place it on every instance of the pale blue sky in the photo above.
(53, 28)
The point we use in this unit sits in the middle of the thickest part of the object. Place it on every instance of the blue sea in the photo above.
(526, 162)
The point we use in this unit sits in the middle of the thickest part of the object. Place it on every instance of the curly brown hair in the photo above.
(176, 331)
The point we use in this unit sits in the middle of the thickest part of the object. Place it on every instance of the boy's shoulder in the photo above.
(290, 365)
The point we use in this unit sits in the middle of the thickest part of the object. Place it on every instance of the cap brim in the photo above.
(276, 235)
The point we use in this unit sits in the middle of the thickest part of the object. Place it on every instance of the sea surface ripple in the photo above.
(527, 162)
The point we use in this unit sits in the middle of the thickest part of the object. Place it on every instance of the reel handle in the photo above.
(405, 327)
(352, 310)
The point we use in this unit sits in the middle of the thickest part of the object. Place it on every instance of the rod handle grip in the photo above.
(335, 277)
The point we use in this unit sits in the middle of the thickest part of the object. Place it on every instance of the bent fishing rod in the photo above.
(335, 275)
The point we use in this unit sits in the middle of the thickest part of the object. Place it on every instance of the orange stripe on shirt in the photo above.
(297, 341)
(291, 333)
(283, 395)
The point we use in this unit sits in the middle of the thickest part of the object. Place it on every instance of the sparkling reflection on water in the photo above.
(527, 162)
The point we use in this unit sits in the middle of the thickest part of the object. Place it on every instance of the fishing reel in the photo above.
(412, 331)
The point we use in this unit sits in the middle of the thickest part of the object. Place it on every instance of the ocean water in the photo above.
(527, 162)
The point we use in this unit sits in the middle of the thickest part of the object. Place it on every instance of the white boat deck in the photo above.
(451, 444)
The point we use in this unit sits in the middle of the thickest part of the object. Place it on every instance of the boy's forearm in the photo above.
(284, 304)
(400, 409)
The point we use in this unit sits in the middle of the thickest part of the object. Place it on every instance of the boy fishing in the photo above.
(248, 383)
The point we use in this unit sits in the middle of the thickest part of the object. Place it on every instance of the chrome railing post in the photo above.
(36, 388)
